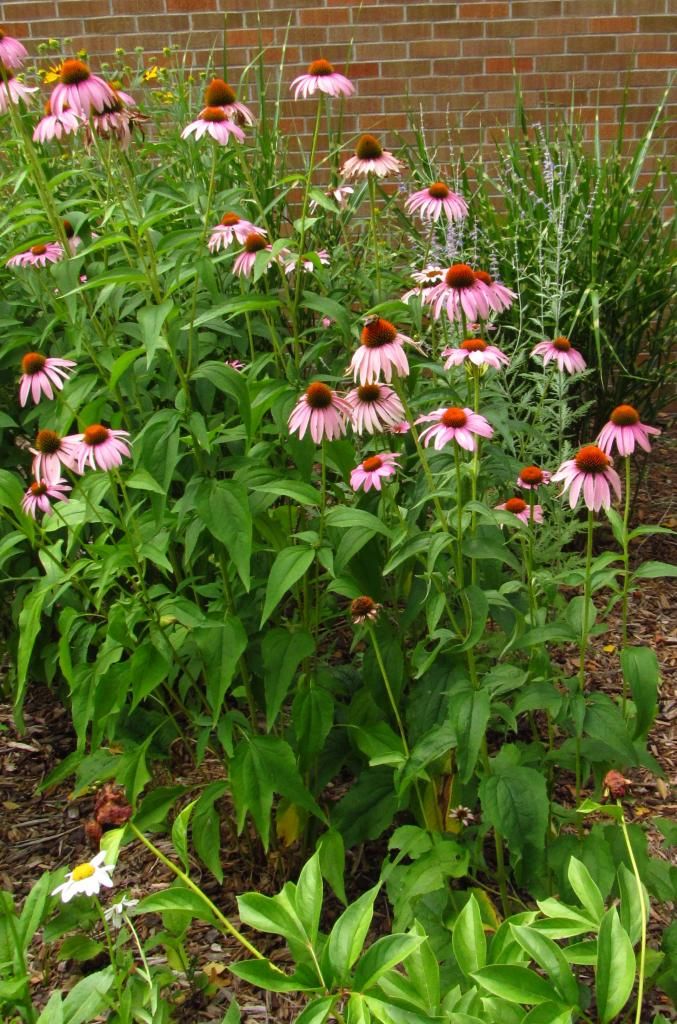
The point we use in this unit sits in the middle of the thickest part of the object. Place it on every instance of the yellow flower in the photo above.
(54, 73)
(150, 73)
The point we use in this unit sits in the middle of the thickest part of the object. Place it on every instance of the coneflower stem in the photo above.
(583, 643)
(626, 575)
(374, 233)
(190, 884)
(640, 893)
(304, 211)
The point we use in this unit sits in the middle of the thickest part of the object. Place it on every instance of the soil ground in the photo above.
(44, 831)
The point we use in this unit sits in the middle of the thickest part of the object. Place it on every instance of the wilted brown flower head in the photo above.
(615, 784)
(364, 609)
(463, 815)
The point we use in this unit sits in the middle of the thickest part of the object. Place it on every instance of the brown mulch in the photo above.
(44, 831)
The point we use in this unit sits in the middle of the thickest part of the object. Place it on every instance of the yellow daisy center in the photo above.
(81, 872)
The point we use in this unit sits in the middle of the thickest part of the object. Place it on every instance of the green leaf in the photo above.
(53, 1011)
(423, 969)
(88, 998)
(384, 954)
(283, 652)
(468, 939)
(151, 320)
(79, 947)
(516, 984)
(33, 910)
(634, 903)
(470, 712)
(141, 480)
(586, 889)
(264, 974)
(262, 766)
(313, 716)
(275, 914)
(229, 382)
(223, 506)
(177, 898)
(122, 364)
(233, 1015)
(551, 959)
(642, 674)
(317, 1011)
(233, 307)
(332, 861)
(29, 627)
(654, 571)
(304, 494)
(515, 802)
(548, 1013)
(342, 517)
(346, 938)
(476, 605)
(289, 566)
(147, 669)
(206, 831)
(180, 833)
(221, 645)
(615, 971)
(309, 893)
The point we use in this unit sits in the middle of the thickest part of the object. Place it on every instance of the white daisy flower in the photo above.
(116, 911)
(86, 879)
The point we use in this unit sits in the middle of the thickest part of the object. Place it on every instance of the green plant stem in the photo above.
(626, 575)
(474, 471)
(374, 234)
(304, 230)
(20, 954)
(421, 454)
(583, 643)
(459, 518)
(640, 893)
(188, 882)
(111, 948)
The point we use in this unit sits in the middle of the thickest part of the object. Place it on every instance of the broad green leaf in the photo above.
(515, 802)
(516, 984)
(642, 674)
(275, 914)
(654, 571)
(634, 903)
(423, 969)
(221, 645)
(141, 480)
(468, 939)
(317, 1011)
(384, 954)
(79, 947)
(29, 627)
(289, 566)
(586, 889)
(309, 893)
(346, 938)
(88, 998)
(53, 1011)
(264, 974)
(234, 306)
(304, 494)
(229, 382)
(615, 971)
(548, 1013)
(283, 652)
(206, 831)
(147, 669)
(470, 712)
(551, 959)
(342, 517)
(151, 321)
(312, 716)
(33, 909)
(332, 861)
(122, 364)
(176, 898)
(233, 1015)
(180, 833)
(223, 507)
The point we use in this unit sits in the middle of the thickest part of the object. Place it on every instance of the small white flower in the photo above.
(86, 879)
(116, 911)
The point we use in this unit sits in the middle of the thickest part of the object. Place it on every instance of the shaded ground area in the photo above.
(40, 832)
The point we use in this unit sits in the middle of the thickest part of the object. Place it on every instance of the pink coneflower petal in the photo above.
(99, 447)
(254, 243)
(561, 351)
(532, 477)
(500, 297)
(80, 91)
(39, 374)
(375, 407)
(321, 412)
(430, 203)
(522, 510)
(381, 351)
(12, 52)
(232, 228)
(56, 126)
(53, 452)
(624, 430)
(36, 498)
(38, 255)
(370, 472)
(13, 91)
(454, 424)
(291, 263)
(591, 472)
(477, 352)
(371, 158)
(321, 75)
(461, 294)
(214, 121)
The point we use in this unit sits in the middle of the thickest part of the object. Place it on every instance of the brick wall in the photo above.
(451, 60)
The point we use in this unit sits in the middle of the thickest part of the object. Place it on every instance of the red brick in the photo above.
(183, 6)
(484, 47)
(322, 16)
(655, 60)
(497, 65)
(609, 61)
(562, 27)
(562, 62)
(591, 44)
(650, 23)
(364, 70)
(436, 13)
(510, 29)
(58, 29)
(132, 7)
(484, 10)
(592, 7)
(536, 8)
(613, 25)
(430, 48)
(73, 8)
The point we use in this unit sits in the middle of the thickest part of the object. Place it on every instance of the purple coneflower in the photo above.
(476, 351)
(364, 609)
(370, 158)
(321, 75)
(116, 120)
(51, 453)
(381, 351)
(12, 52)
(500, 297)
(402, 427)
(531, 477)
(214, 121)
(590, 471)
(340, 196)
(460, 293)
(431, 202)
(13, 91)
(219, 94)
(36, 498)
(39, 373)
(624, 430)
(454, 424)
(55, 126)
(253, 244)
(99, 447)
(561, 350)
(369, 472)
(520, 508)
(232, 226)
(320, 410)
(374, 407)
(235, 364)
(80, 91)
(426, 280)
(38, 255)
